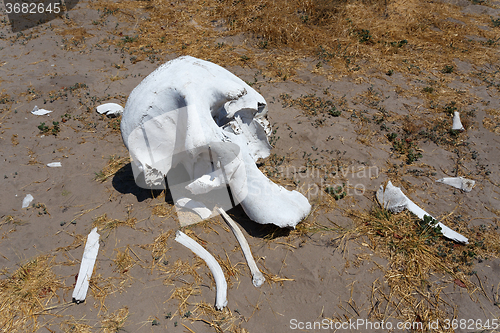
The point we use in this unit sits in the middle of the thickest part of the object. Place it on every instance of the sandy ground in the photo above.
(324, 275)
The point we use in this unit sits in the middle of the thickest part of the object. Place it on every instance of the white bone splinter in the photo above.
(220, 280)
(393, 199)
(258, 278)
(461, 183)
(86, 267)
(457, 124)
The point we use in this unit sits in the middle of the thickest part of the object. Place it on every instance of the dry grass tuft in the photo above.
(104, 223)
(75, 326)
(123, 260)
(220, 321)
(114, 164)
(163, 210)
(230, 271)
(417, 254)
(182, 294)
(181, 268)
(492, 123)
(26, 294)
(101, 288)
(115, 321)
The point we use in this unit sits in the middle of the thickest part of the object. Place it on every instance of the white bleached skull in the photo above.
(202, 128)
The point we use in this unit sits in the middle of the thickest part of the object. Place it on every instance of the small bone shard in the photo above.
(27, 200)
(461, 183)
(86, 267)
(54, 165)
(393, 199)
(218, 274)
(457, 124)
(110, 109)
(257, 277)
(39, 112)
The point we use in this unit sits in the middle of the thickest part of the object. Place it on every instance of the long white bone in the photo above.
(220, 280)
(86, 267)
(393, 199)
(258, 278)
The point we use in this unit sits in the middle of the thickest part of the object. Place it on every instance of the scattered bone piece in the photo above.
(206, 183)
(457, 124)
(195, 206)
(258, 277)
(54, 165)
(86, 267)
(393, 199)
(27, 200)
(110, 109)
(39, 112)
(220, 280)
(461, 183)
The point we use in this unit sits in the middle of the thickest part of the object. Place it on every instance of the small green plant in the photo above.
(364, 36)
(391, 136)
(401, 43)
(447, 69)
(428, 90)
(334, 112)
(155, 322)
(43, 128)
(262, 44)
(128, 39)
(55, 128)
(495, 22)
(389, 72)
(336, 192)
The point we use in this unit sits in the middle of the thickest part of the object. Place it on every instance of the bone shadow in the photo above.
(123, 181)
(254, 229)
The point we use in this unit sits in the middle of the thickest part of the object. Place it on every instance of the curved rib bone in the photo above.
(258, 278)
(393, 199)
(220, 280)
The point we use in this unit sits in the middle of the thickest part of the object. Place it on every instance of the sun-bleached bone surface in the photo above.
(457, 124)
(257, 277)
(393, 199)
(218, 274)
(202, 128)
(461, 183)
(86, 266)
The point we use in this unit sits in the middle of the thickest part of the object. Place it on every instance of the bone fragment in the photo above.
(27, 200)
(393, 199)
(86, 267)
(39, 112)
(195, 206)
(457, 124)
(461, 183)
(220, 280)
(258, 277)
(110, 109)
(54, 165)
